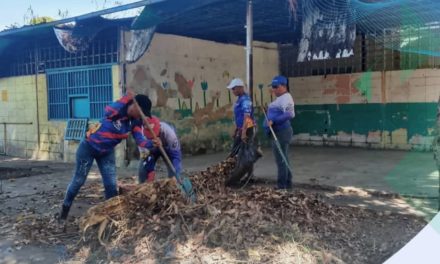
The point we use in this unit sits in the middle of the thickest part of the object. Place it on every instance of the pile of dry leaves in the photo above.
(154, 221)
(254, 225)
(257, 224)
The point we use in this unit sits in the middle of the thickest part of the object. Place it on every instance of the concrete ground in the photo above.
(344, 176)
(410, 174)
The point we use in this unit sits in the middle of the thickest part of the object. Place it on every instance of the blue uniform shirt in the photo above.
(242, 106)
(280, 111)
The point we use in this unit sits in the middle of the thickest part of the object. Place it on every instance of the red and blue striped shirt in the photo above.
(115, 126)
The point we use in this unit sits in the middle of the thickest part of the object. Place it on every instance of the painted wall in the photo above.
(18, 104)
(394, 109)
(186, 79)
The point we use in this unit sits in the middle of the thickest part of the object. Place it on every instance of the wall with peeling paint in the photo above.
(186, 79)
(393, 109)
(18, 104)
(20, 107)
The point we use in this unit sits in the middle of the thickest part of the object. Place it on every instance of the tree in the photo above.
(63, 14)
(40, 20)
(30, 18)
(12, 26)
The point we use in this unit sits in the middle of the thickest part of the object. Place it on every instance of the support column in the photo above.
(249, 50)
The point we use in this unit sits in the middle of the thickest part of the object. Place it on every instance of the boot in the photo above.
(64, 213)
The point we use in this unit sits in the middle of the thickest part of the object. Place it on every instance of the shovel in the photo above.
(183, 182)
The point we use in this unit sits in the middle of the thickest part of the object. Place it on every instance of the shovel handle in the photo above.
(270, 127)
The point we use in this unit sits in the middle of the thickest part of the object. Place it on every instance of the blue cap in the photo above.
(279, 80)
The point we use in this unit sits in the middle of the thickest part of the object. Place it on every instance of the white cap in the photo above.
(235, 82)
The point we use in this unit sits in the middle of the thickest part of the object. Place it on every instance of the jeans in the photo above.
(147, 166)
(284, 174)
(85, 154)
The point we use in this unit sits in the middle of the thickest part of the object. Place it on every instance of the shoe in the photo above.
(259, 152)
(278, 189)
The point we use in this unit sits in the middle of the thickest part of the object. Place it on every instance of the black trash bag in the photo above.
(247, 155)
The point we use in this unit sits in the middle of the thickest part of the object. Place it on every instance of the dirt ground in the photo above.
(376, 225)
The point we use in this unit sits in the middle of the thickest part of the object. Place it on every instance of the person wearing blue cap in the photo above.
(279, 114)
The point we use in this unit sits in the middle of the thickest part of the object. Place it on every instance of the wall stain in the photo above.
(143, 82)
(226, 75)
(342, 88)
(208, 114)
(183, 86)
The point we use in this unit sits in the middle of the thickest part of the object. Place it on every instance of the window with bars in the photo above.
(79, 92)
(29, 56)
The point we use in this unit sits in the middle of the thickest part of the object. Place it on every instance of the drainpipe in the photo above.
(36, 98)
(249, 55)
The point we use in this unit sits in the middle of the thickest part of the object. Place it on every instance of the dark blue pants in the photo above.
(146, 171)
(284, 175)
(85, 155)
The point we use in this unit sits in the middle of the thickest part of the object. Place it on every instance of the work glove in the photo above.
(143, 152)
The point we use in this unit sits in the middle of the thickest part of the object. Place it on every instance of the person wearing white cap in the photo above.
(243, 112)
(244, 133)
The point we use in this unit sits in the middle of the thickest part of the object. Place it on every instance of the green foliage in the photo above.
(40, 20)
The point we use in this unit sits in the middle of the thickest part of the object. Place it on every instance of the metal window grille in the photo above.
(25, 58)
(76, 129)
(93, 83)
(376, 51)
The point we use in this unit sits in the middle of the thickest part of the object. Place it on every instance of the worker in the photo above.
(120, 118)
(243, 112)
(279, 114)
(244, 133)
(171, 145)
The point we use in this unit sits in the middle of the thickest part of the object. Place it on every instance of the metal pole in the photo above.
(123, 63)
(123, 83)
(4, 138)
(36, 99)
(249, 55)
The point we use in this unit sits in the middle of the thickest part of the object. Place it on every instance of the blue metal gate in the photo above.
(79, 92)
